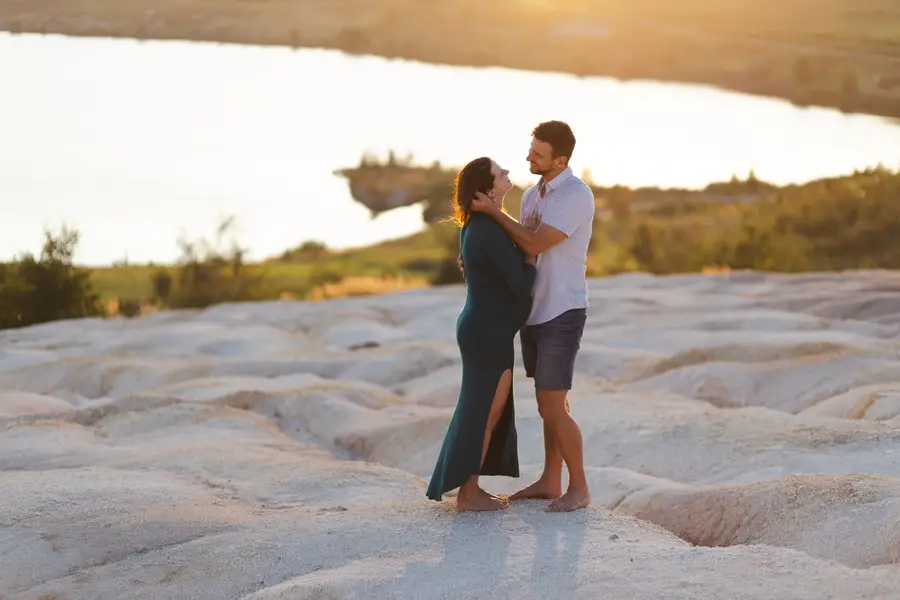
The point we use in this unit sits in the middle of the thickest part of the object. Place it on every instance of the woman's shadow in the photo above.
(476, 547)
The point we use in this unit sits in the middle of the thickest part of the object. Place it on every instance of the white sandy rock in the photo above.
(14, 404)
(880, 402)
(740, 432)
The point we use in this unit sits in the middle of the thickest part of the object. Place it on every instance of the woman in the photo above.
(481, 437)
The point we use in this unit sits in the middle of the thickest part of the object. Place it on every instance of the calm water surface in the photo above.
(137, 142)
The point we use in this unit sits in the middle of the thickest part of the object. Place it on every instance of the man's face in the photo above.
(541, 158)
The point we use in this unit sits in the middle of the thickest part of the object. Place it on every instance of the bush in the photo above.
(448, 271)
(49, 288)
(162, 286)
(208, 273)
(308, 250)
(129, 307)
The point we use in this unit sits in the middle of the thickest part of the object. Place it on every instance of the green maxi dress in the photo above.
(498, 299)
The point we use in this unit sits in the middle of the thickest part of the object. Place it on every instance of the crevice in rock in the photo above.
(121, 557)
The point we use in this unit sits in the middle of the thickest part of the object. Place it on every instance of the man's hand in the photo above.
(532, 221)
(462, 268)
(532, 241)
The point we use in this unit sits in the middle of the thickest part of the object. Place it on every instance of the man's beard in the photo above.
(538, 171)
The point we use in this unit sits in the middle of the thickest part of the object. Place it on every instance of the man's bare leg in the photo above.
(567, 434)
(549, 485)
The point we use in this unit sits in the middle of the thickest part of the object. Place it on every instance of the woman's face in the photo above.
(502, 183)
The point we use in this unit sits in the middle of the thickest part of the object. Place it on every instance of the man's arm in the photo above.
(532, 242)
(560, 220)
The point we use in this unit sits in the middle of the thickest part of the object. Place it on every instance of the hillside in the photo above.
(838, 223)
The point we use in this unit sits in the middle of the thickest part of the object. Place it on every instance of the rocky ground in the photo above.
(741, 434)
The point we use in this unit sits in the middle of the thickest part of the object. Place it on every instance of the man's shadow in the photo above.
(558, 539)
(476, 546)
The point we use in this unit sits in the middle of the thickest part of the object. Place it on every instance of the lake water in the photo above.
(135, 142)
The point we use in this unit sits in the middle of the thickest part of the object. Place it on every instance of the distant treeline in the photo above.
(848, 222)
(840, 223)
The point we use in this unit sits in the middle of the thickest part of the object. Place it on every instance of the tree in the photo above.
(49, 288)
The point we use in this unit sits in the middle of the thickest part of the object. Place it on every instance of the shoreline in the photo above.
(854, 82)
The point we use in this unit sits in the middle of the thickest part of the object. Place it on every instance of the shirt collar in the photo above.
(559, 179)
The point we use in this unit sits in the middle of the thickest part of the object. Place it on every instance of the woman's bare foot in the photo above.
(494, 496)
(571, 500)
(479, 502)
(539, 490)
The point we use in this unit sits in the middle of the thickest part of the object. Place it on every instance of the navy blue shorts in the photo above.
(549, 349)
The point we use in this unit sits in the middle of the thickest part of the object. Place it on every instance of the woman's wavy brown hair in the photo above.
(474, 177)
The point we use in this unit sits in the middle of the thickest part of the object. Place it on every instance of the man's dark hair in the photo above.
(559, 135)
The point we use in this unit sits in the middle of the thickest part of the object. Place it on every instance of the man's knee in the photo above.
(552, 403)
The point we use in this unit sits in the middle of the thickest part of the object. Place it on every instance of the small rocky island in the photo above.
(381, 186)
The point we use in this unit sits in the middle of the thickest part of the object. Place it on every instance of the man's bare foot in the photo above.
(479, 502)
(571, 500)
(539, 490)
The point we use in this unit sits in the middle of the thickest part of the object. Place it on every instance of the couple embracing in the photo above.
(525, 277)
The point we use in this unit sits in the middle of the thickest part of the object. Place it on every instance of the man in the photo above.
(556, 224)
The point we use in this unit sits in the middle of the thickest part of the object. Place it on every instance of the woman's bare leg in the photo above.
(472, 497)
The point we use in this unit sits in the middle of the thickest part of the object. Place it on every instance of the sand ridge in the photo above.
(741, 438)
